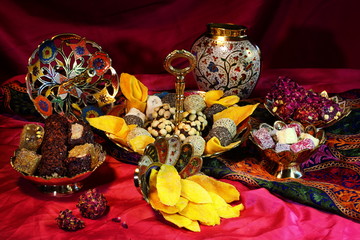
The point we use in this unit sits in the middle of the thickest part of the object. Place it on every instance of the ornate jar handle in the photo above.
(180, 78)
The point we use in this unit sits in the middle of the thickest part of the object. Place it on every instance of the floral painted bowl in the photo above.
(72, 75)
(286, 163)
(242, 130)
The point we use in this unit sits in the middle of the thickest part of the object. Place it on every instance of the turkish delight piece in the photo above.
(296, 127)
(279, 147)
(309, 136)
(287, 136)
(302, 144)
(263, 138)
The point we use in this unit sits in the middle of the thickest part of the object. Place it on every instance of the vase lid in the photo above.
(227, 30)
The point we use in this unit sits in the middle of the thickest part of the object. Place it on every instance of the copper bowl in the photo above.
(345, 111)
(61, 186)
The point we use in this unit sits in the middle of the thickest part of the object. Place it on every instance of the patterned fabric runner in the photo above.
(331, 177)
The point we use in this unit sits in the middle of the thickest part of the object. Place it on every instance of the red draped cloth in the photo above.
(314, 42)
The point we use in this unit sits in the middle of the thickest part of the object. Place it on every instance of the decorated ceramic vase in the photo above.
(226, 60)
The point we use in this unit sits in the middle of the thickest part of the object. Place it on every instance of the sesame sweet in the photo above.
(194, 102)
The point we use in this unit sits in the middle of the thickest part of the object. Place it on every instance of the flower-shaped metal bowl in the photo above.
(242, 134)
(242, 130)
(72, 75)
(60, 186)
(287, 163)
(345, 111)
(166, 151)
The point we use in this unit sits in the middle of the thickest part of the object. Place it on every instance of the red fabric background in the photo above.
(315, 42)
(139, 34)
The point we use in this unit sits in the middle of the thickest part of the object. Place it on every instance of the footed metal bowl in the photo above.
(287, 163)
(62, 186)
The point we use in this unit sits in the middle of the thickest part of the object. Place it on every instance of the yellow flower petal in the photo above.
(236, 113)
(214, 146)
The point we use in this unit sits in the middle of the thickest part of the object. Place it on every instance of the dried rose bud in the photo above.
(68, 222)
(92, 204)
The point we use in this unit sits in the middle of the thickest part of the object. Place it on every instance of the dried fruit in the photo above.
(168, 185)
(135, 92)
(68, 222)
(205, 213)
(224, 209)
(236, 113)
(182, 221)
(139, 143)
(110, 124)
(194, 192)
(154, 199)
(214, 146)
(225, 190)
(215, 97)
(92, 204)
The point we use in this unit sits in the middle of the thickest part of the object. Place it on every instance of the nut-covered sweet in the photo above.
(210, 111)
(222, 133)
(170, 99)
(164, 111)
(194, 102)
(227, 123)
(138, 131)
(134, 120)
(197, 117)
(187, 128)
(198, 143)
(161, 127)
(31, 137)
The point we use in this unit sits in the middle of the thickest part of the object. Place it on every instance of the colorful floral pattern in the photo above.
(43, 105)
(231, 66)
(64, 72)
(47, 51)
